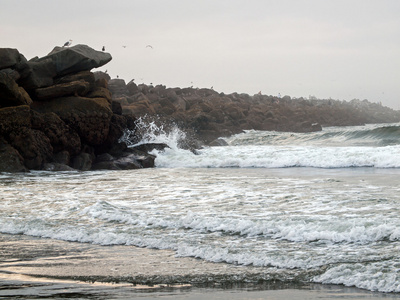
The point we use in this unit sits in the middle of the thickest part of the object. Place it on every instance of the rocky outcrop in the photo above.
(55, 115)
(78, 58)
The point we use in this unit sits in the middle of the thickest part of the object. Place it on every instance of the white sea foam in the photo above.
(281, 157)
(373, 276)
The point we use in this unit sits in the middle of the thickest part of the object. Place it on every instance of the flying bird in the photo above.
(67, 44)
(149, 46)
(123, 46)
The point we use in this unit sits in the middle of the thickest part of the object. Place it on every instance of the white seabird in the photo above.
(67, 43)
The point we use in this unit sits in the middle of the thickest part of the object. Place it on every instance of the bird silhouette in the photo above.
(68, 43)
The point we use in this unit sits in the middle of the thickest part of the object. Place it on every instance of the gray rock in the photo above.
(33, 145)
(80, 88)
(10, 160)
(11, 94)
(14, 118)
(36, 74)
(117, 87)
(82, 162)
(77, 58)
(56, 167)
(10, 57)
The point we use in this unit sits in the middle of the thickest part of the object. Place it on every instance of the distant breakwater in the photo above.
(56, 114)
(208, 114)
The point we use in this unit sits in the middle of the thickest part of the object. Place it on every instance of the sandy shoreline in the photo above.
(32, 267)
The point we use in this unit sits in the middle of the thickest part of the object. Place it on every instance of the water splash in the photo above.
(152, 130)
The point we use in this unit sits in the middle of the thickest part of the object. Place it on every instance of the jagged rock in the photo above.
(117, 87)
(100, 92)
(14, 75)
(83, 161)
(77, 88)
(33, 145)
(14, 118)
(132, 88)
(63, 157)
(57, 167)
(10, 159)
(11, 94)
(89, 117)
(61, 136)
(86, 76)
(36, 74)
(76, 59)
(10, 57)
(101, 75)
(116, 108)
(219, 142)
(131, 159)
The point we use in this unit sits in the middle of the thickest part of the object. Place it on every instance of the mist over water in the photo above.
(316, 207)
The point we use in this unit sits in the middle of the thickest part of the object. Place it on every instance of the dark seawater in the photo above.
(299, 209)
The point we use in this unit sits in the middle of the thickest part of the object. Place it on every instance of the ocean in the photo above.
(295, 208)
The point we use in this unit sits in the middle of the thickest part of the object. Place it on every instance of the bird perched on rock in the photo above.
(67, 44)
(103, 49)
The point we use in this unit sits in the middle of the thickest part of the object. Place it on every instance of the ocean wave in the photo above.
(280, 157)
(376, 135)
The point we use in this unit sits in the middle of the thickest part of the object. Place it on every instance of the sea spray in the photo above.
(153, 130)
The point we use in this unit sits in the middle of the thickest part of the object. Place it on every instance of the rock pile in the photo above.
(209, 114)
(56, 115)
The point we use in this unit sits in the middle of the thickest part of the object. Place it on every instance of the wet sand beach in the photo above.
(45, 268)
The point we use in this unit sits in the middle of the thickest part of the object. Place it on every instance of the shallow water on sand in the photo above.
(36, 268)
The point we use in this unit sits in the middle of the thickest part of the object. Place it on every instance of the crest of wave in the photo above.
(151, 130)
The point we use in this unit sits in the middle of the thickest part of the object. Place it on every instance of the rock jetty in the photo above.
(56, 115)
(209, 114)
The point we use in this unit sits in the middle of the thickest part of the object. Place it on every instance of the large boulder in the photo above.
(80, 88)
(89, 117)
(77, 58)
(86, 76)
(99, 75)
(10, 93)
(61, 136)
(33, 145)
(117, 87)
(36, 73)
(10, 57)
(10, 159)
(132, 88)
(14, 118)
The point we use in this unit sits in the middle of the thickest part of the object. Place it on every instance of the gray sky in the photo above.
(340, 49)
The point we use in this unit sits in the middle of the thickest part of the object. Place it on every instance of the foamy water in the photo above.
(303, 206)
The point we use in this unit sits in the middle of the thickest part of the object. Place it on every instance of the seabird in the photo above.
(104, 48)
(67, 43)
(123, 46)
(149, 46)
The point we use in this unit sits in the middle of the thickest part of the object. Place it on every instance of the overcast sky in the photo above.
(340, 49)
